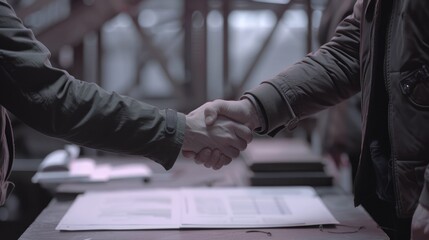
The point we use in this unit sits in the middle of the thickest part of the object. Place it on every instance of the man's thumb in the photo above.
(210, 115)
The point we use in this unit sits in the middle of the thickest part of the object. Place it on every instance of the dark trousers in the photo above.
(385, 215)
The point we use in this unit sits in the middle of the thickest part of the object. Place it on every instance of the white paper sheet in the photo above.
(152, 209)
(253, 207)
(197, 208)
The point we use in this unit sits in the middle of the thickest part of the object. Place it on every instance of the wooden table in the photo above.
(355, 222)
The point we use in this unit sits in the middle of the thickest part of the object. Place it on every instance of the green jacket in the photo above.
(53, 102)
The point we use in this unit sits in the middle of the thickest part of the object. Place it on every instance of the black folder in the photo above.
(285, 162)
(290, 179)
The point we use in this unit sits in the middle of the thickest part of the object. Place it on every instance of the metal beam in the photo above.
(154, 51)
(279, 13)
(195, 53)
(83, 19)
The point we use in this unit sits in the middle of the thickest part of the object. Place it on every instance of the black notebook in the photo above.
(290, 179)
(280, 155)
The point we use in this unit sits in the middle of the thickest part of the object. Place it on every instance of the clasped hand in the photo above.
(420, 224)
(217, 131)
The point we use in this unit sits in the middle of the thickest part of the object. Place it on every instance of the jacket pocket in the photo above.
(383, 173)
(409, 182)
(416, 87)
(419, 173)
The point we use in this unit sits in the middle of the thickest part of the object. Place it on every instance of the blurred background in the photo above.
(169, 53)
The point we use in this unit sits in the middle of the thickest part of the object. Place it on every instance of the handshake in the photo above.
(217, 131)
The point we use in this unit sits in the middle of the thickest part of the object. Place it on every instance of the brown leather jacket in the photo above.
(351, 62)
(54, 103)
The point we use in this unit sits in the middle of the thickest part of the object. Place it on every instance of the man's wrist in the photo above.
(254, 118)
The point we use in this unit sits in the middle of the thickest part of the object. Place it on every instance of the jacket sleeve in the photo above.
(321, 79)
(53, 102)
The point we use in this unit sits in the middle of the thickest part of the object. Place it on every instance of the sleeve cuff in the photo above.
(276, 110)
(175, 132)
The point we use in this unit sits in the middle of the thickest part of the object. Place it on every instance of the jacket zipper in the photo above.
(387, 81)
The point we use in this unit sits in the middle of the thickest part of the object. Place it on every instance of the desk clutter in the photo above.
(64, 165)
(117, 205)
(285, 162)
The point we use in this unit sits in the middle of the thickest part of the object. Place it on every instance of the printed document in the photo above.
(254, 207)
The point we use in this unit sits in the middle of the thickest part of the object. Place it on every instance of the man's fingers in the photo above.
(213, 159)
(238, 144)
(226, 160)
(216, 108)
(230, 151)
(203, 155)
(244, 133)
(239, 136)
(216, 159)
(210, 114)
(223, 161)
(188, 154)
